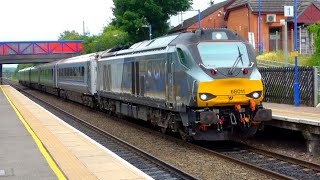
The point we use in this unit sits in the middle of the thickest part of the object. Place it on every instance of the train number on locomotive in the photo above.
(237, 91)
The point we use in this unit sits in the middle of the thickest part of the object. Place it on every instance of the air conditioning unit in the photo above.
(271, 18)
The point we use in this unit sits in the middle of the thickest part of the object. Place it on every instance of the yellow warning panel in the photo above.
(294, 54)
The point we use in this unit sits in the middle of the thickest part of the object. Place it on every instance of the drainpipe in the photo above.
(249, 19)
(259, 28)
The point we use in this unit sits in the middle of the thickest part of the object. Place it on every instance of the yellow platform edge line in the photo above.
(43, 150)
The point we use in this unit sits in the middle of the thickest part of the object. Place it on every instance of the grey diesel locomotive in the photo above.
(204, 85)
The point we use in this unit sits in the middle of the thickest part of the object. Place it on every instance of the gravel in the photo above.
(282, 141)
(198, 163)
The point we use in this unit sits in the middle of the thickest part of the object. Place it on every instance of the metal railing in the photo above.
(275, 74)
(269, 63)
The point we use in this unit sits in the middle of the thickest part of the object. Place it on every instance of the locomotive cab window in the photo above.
(223, 54)
(182, 57)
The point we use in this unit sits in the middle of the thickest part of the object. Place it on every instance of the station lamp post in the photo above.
(150, 30)
(199, 17)
(99, 45)
(118, 38)
(296, 78)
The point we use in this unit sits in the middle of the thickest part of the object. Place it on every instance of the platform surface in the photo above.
(291, 113)
(20, 157)
(78, 156)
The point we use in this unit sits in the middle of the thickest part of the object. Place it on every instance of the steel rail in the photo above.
(270, 173)
(306, 164)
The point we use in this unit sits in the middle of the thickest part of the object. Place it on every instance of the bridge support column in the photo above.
(313, 142)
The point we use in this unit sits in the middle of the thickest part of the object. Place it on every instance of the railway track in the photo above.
(272, 164)
(147, 163)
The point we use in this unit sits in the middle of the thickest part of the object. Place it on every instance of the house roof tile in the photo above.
(273, 5)
(189, 22)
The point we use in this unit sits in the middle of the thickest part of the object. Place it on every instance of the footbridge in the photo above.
(37, 51)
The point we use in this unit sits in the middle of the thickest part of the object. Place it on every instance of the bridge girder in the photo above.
(22, 59)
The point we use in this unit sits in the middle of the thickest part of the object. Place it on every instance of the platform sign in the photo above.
(288, 11)
(251, 39)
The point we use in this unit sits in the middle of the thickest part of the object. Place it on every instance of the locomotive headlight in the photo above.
(203, 97)
(206, 96)
(255, 94)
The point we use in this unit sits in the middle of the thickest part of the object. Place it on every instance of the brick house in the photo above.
(212, 17)
(242, 16)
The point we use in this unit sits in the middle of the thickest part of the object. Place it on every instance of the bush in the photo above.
(278, 56)
(313, 61)
(315, 29)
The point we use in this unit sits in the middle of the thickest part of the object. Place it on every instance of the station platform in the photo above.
(35, 144)
(304, 119)
(300, 114)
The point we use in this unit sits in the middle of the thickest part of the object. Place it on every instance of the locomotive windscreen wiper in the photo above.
(235, 64)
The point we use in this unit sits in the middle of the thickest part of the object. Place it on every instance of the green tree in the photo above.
(111, 37)
(133, 15)
(70, 35)
(315, 29)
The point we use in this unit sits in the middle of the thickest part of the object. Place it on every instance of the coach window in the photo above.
(82, 71)
(78, 73)
(69, 73)
(74, 73)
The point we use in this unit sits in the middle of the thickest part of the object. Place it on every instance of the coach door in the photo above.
(169, 66)
(135, 78)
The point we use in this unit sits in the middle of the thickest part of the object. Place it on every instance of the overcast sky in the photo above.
(32, 20)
